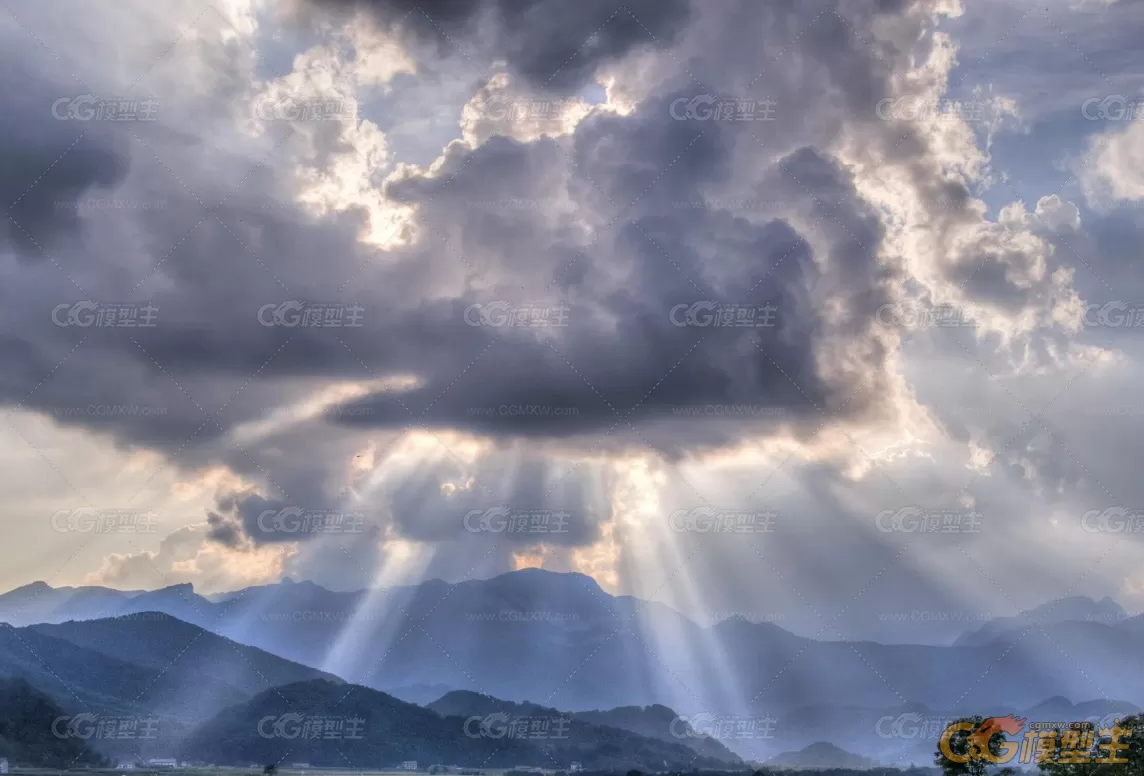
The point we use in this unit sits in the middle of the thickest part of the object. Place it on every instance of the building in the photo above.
(3, 764)
(163, 762)
(575, 767)
(409, 765)
(127, 765)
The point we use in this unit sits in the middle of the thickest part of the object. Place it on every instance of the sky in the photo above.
(821, 313)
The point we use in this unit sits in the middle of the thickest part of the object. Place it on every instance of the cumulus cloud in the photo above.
(599, 289)
(552, 44)
(1115, 166)
(184, 557)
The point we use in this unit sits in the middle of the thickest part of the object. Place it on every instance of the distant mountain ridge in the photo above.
(38, 602)
(1070, 609)
(202, 697)
(204, 692)
(820, 756)
(588, 650)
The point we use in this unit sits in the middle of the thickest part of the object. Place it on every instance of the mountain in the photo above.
(366, 729)
(483, 620)
(1133, 624)
(821, 756)
(1070, 609)
(184, 656)
(209, 698)
(653, 749)
(421, 694)
(535, 634)
(1100, 712)
(38, 602)
(151, 670)
(658, 721)
(28, 719)
(173, 668)
(71, 675)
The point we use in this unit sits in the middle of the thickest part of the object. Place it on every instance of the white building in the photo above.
(163, 762)
(409, 765)
(3, 764)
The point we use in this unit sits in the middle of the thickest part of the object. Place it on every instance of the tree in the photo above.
(270, 770)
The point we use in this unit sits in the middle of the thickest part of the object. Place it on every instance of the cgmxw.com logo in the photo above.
(311, 726)
(509, 520)
(291, 520)
(987, 741)
(723, 727)
(91, 107)
(311, 315)
(94, 520)
(911, 725)
(1113, 520)
(89, 313)
(88, 726)
(503, 725)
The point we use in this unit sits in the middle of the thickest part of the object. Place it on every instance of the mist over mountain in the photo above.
(820, 756)
(154, 675)
(641, 680)
(588, 650)
(660, 722)
(332, 725)
(1070, 609)
(149, 685)
(629, 729)
(559, 641)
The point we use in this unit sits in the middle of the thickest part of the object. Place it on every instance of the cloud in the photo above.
(1115, 170)
(1057, 214)
(210, 272)
(183, 557)
(547, 304)
(551, 44)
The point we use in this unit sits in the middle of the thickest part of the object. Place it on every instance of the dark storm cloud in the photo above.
(606, 239)
(264, 520)
(223, 531)
(808, 244)
(47, 164)
(555, 44)
(622, 340)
